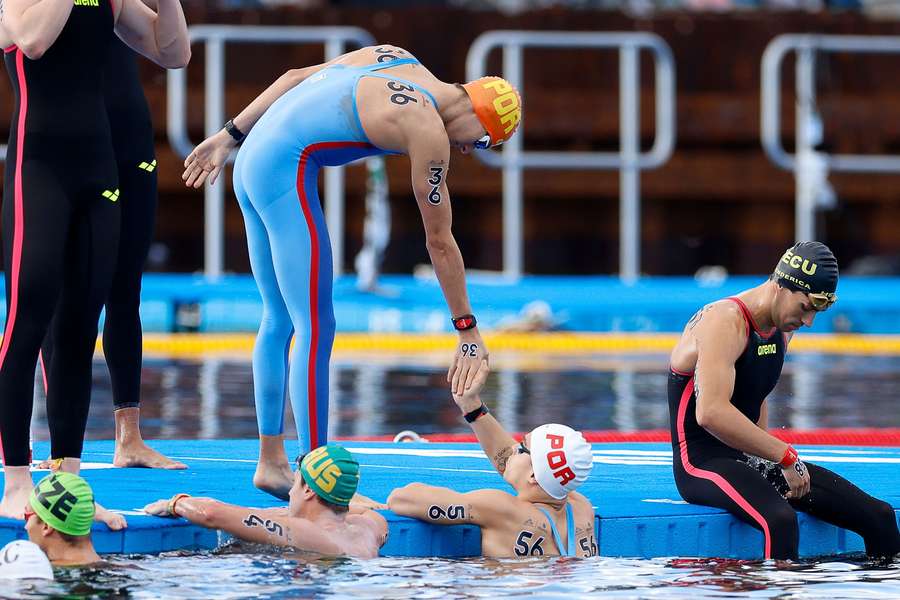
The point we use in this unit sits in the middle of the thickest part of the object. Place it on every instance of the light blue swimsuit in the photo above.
(571, 549)
(315, 124)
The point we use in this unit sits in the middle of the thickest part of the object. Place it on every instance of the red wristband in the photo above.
(174, 501)
(789, 459)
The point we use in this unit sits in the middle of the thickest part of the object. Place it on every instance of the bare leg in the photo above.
(273, 471)
(131, 450)
(70, 465)
(17, 486)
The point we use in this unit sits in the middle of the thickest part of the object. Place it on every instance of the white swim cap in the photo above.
(561, 459)
(21, 559)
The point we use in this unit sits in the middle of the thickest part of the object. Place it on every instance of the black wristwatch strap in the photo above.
(234, 132)
(464, 322)
(473, 416)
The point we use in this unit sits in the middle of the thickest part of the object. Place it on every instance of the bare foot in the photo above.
(139, 454)
(131, 450)
(274, 480)
(114, 521)
(16, 489)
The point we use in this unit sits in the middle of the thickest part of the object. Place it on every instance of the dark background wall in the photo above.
(717, 201)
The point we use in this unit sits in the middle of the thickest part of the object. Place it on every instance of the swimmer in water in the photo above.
(546, 516)
(58, 519)
(319, 518)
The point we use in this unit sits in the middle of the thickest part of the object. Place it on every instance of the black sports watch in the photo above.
(464, 322)
(234, 132)
(473, 416)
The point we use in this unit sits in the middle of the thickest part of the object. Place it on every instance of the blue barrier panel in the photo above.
(639, 512)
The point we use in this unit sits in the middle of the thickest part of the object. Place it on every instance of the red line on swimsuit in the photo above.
(19, 224)
(312, 404)
(714, 477)
(751, 322)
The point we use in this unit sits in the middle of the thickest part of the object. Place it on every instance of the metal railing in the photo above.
(335, 40)
(629, 160)
(806, 47)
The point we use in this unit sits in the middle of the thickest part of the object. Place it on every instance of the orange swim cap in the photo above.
(498, 106)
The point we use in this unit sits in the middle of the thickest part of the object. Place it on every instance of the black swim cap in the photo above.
(808, 267)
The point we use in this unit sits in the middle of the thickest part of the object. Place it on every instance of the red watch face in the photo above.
(463, 323)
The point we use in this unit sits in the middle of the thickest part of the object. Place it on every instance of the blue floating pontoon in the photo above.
(639, 512)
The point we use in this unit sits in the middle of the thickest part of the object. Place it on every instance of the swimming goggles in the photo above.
(522, 449)
(822, 300)
(484, 142)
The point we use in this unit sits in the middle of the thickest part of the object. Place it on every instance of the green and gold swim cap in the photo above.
(65, 502)
(332, 473)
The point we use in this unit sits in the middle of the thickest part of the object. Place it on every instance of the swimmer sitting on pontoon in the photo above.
(724, 366)
(318, 519)
(546, 517)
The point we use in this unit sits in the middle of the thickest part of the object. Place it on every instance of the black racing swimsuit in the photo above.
(132, 138)
(709, 472)
(756, 372)
(60, 228)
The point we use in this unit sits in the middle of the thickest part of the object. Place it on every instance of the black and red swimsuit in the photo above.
(60, 227)
(709, 472)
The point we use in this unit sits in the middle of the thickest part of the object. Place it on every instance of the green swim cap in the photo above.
(332, 473)
(808, 267)
(65, 502)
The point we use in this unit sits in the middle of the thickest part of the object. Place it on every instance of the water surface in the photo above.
(236, 573)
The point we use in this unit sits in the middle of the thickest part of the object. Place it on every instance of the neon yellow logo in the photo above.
(87, 2)
(766, 349)
(506, 104)
(112, 196)
(797, 262)
(148, 166)
(324, 472)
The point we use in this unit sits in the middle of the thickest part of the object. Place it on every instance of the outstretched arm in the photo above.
(429, 156)
(253, 525)
(496, 442)
(209, 157)
(161, 34)
(444, 506)
(34, 25)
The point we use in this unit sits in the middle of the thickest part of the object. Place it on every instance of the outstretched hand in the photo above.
(469, 400)
(207, 160)
(470, 353)
(160, 508)
(114, 521)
